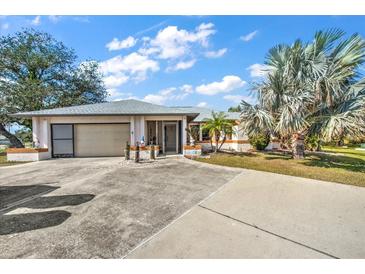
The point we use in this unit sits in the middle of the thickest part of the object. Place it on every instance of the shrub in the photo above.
(259, 141)
(312, 142)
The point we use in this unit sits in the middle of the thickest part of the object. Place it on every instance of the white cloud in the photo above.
(238, 98)
(155, 99)
(202, 104)
(36, 21)
(167, 91)
(115, 80)
(172, 43)
(249, 36)
(228, 83)
(54, 18)
(151, 28)
(135, 65)
(4, 26)
(183, 65)
(215, 54)
(187, 88)
(169, 94)
(118, 96)
(115, 44)
(257, 70)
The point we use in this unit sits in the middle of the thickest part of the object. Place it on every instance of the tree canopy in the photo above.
(235, 109)
(39, 72)
(219, 128)
(311, 88)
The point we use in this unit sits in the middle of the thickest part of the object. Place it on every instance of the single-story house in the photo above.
(104, 129)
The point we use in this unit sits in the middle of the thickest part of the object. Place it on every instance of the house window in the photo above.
(229, 135)
(205, 135)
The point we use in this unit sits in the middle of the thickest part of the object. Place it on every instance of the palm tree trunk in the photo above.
(216, 143)
(298, 146)
(318, 148)
(341, 142)
(14, 141)
(211, 144)
(223, 141)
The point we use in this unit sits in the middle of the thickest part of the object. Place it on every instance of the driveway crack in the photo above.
(269, 232)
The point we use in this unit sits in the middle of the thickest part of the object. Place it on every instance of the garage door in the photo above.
(100, 139)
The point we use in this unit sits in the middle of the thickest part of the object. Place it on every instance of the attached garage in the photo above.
(89, 140)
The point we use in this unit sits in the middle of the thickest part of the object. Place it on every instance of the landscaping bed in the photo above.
(346, 167)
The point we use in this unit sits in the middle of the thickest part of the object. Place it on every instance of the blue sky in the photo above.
(180, 60)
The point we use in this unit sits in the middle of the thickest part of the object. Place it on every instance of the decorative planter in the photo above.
(27, 154)
(144, 152)
(192, 151)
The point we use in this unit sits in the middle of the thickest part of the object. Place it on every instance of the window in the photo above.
(205, 135)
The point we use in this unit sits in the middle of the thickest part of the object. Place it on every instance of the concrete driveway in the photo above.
(96, 207)
(266, 215)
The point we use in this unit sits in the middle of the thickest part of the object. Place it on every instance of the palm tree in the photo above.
(312, 88)
(218, 127)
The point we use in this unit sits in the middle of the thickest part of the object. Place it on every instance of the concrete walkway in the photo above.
(266, 215)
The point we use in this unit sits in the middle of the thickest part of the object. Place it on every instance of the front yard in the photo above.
(346, 166)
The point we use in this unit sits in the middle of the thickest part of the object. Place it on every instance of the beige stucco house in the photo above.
(104, 129)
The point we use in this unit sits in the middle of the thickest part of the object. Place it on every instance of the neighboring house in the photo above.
(104, 129)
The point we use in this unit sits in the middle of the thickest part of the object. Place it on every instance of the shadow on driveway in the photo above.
(15, 223)
(58, 201)
(13, 194)
(11, 198)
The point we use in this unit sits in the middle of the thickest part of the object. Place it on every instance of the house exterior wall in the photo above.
(42, 127)
(138, 126)
(238, 143)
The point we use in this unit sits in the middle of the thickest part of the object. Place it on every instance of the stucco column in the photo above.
(132, 131)
(35, 131)
(184, 126)
(142, 129)
(200, 132)
(156, 132)
(43, 140)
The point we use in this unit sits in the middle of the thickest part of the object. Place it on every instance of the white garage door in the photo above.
(93, 140)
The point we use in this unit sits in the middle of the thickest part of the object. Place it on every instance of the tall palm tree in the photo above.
(311, 88)
(219, 128)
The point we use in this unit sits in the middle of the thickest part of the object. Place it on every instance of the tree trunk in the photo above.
(298, 146)
(318, 148)
(341, 142)
(216, 143)
(223, 141)
(211, 144)
(14, 141)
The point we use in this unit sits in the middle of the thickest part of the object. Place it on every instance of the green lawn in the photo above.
(346, 166)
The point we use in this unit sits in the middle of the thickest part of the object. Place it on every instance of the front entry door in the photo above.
(170, 138)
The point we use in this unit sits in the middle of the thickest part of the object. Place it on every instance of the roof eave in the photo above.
(20, 115)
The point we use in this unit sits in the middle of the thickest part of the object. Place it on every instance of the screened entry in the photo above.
(62, 140)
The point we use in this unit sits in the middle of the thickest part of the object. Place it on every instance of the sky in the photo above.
(208, 61)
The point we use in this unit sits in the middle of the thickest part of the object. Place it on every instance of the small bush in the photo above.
(259, 141)
(312, 142)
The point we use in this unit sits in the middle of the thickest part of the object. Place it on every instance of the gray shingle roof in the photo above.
(127, 107)
(123, 107)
